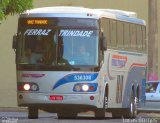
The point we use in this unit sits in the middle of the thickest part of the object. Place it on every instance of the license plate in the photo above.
(55, 97)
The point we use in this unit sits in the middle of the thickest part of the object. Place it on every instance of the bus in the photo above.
(74, 59)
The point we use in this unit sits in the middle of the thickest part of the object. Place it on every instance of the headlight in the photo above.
(85, 87)
(26, 87)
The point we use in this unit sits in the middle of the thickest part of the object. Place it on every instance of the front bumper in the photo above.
(25, 99)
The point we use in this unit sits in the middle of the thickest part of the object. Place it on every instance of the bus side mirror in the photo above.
(103, 43)
(14, 42)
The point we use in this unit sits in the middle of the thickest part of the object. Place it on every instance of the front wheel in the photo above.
(100, 113)
(117, 113)
(32, 112)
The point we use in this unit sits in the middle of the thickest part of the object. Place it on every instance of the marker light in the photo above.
(91, 88)
(26, 87)
(85, 87)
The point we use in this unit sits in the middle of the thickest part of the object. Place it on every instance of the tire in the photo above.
(131, 112)
(66, 115)
(100, 113)
(32, 112)
(117, 113)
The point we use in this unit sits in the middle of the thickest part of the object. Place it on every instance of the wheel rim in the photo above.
(136, 105)
(132, 107)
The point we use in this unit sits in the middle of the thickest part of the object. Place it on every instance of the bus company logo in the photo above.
(29, 75)
(119, 61)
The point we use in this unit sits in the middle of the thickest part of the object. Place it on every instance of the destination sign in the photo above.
(37, 22)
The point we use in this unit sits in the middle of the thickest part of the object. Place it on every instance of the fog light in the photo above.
(26, 87)
(85, 87)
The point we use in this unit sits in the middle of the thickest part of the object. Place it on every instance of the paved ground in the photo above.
(19, 115)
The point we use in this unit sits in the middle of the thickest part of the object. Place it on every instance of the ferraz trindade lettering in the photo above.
(37, 31)
(77, 33)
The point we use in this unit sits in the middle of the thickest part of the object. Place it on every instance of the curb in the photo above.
(13, 109)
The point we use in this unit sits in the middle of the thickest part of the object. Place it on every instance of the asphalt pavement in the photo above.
(19, 115)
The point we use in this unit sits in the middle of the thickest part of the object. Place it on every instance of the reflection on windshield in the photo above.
(80, 47)
(65, 47)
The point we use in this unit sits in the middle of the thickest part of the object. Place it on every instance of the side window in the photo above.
(113, 33)
(126, 36)
(133, 36)
(120, 34)
(139, 37)
(144, 38)
(106, 29)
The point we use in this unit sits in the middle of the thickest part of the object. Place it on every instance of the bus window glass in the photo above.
(126, 36)
(139, 37)
(108, 32)
(67, 22)
(106, 29)
(120, 34)
(133, 36)
(144, 38)
(38, 49)
(113, 33)
(80, 49)
(59, 47)
(58, 41)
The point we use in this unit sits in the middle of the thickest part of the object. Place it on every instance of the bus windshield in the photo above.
(58, 46)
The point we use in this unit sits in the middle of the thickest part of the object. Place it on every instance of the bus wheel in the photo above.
(131, 112)
(32, 112)
(100, 113)
(117, 113)
(65, 115)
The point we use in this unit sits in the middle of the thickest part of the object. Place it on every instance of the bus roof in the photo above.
(81, 12)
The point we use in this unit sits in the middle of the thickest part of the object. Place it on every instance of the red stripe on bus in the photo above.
(138, 65)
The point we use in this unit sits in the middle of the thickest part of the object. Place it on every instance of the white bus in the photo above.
(75, 59)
